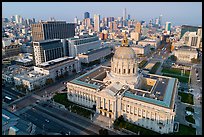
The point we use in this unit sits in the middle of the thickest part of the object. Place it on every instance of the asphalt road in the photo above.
(48, 123)
(84, 122)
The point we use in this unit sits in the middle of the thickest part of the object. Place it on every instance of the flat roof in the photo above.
(161, 94)
(96, 51)
(49, 40)
(92, 79)
(56, 61)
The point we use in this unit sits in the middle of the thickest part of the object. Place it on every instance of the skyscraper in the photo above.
(86, 15)
(124, 14)
(168, 26)
(96, 22)
(52, 30)
(160, 20)
(138, 28)
(18, 19)
(128, 17)
(75, 20)
(124, 17)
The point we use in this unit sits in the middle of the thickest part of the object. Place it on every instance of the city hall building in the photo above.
(143, 99)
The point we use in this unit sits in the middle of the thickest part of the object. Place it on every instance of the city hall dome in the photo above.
(125, 52)
(124, 62)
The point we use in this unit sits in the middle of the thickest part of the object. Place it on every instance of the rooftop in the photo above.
(49, 40)
(53, 63)
(159, 94)
(96, 51)
(31, 76)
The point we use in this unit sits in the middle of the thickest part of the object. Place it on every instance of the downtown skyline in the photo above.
(179, 13)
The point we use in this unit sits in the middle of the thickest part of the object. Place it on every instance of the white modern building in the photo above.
(141, 49)
(185, 54)
(97, 54)
(82, 44)
(193, 39)
(152, 42)
(143, 99)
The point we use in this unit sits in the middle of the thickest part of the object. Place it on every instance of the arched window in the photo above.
(133, 70)
(128, 71)
(115, 70)
(124, 71)
(119, 70)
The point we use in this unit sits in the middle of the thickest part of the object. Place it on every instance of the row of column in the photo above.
(145, 113)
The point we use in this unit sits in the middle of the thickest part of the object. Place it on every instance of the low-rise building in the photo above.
(94, 55)
(11, 50)
(141, 49)
(32, 80)
(14, 125)
(60, 66)
(83, 43)
(185, 54)
(154, 43)
(9, 72)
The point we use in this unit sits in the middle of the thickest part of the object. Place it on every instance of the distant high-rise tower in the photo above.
(138, 27)
(124, 17)
(160, 20)
(76, 20)
(86, 15)
(128, 17)
(18, 19)
(168, 26)
(96, 22)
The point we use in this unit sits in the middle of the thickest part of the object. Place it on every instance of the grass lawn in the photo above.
(180, 78)
(142, 64)
(190, 119)
(186, 97)
(190, 109)
(154, 68)
(62, 99)
(134, 128)
(185, 130)
(175, 71)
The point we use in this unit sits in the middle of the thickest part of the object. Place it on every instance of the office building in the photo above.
(138, 28)
(60, 66)
(143, 99)
(96, 22)
(193, 39)
(86, 15)
(11, 50)
(160, 20)
(185, 28)
(97, 54)
(47, 50)
(124, 17)
(82, 44)
(18, 19)
(135, 36)
(168, 27)
(141, 49)
(185, 54)
(52, 30)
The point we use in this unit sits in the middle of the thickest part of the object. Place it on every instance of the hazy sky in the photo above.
(176, 12)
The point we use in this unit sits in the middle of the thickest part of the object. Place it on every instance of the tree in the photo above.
(173, 58)
(49, 81)
(193, 60)
(103, 131)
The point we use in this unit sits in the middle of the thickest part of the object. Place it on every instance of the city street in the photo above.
(48, 123)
